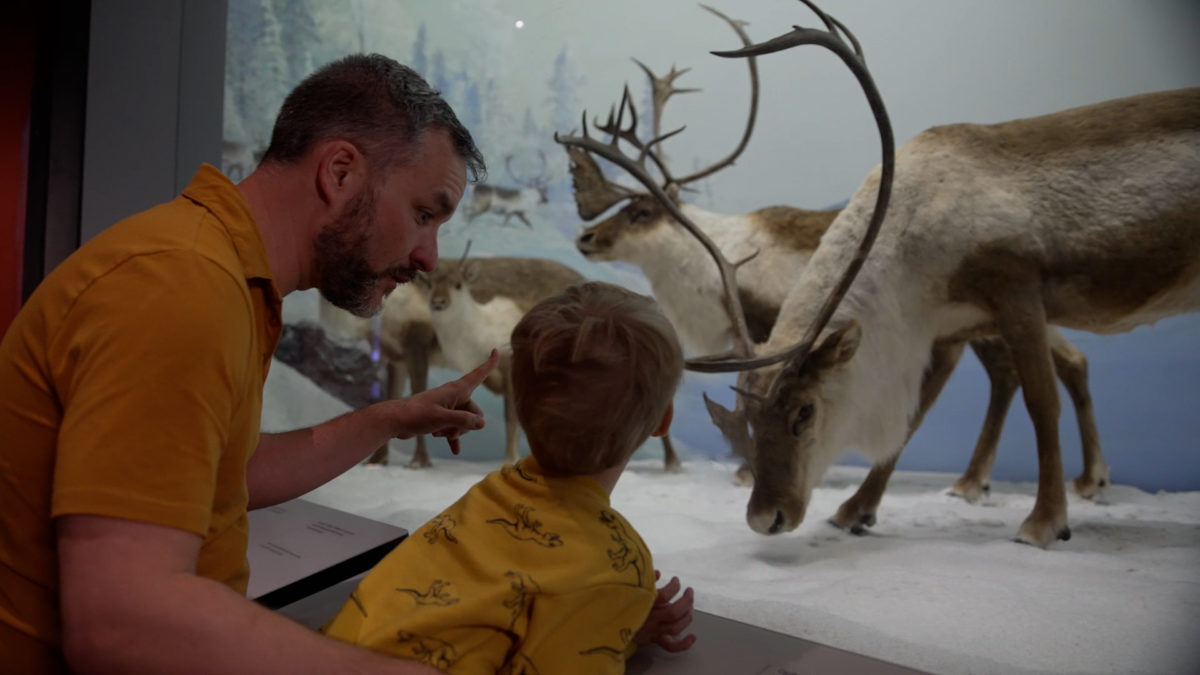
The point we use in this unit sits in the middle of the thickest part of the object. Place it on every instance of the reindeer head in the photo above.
(798, 431)
(803, 420)
(610, 238)
(449, 283)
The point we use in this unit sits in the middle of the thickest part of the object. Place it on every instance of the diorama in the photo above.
(831, 205)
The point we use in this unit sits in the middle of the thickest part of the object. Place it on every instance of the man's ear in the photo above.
(341, 172)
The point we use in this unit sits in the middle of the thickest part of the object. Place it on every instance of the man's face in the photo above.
(388, 232)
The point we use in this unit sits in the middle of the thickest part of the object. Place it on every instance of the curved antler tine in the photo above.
(751, 117)
(829, 22)
(508, 168)
(853, 40)
(830, 40)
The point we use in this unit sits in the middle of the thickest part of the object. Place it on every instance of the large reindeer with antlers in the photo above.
(1086, 218)
(509, 202)
(772, 244)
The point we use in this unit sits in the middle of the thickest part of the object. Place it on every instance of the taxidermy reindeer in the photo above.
(407, 343)
(509, 202)
(773, 243)
(474, 305)
(1087, 218)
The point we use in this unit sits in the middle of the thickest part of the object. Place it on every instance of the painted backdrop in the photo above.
(516, 71)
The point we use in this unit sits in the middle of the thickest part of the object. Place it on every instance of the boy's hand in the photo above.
(668, 619)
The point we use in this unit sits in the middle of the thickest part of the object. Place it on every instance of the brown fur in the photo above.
(1090, 288)
(526, 281)
(797, 229)
(1123, 122)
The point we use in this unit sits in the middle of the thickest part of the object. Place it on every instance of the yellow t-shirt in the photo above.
(131, 387)
(524, 574)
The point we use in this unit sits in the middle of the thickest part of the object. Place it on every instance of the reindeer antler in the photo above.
(617, 130)
(852, 56)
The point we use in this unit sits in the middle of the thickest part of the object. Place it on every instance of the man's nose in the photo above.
(424, 255)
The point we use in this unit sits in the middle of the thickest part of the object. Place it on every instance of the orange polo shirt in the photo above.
(131, 387)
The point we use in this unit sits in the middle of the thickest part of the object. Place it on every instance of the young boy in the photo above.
(532, 571)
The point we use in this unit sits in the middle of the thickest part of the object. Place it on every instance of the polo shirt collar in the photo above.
(214, 191)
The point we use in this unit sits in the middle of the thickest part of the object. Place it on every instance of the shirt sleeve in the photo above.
(589, 631)
(149, 365)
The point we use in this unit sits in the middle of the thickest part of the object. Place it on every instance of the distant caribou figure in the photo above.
(509, 202)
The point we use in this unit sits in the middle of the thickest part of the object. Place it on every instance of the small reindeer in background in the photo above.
(773, 245)
(407, 344)
(474, 304)
(509, 202)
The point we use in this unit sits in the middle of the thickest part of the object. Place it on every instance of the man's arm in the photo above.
(132, 603)
(289, 464)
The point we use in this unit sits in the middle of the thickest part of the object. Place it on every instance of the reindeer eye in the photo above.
(458, 286)
(803, 415)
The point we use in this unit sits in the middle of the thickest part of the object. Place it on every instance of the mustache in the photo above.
(401, 273)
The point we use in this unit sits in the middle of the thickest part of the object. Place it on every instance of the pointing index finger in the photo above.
(475, 377)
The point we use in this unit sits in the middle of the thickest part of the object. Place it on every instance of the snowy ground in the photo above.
(938, 585)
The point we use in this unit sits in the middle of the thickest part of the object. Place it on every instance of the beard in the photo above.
(343, 274)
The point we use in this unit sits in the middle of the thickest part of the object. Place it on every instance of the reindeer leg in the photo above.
(418, 342)
(394, 385)
(671, 463)
(997, 362)
(1022, 321)
(858, 512)
(512, 427)
(525, 220)
(1072, 368)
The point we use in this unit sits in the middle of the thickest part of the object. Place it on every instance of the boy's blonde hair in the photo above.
(594, 370)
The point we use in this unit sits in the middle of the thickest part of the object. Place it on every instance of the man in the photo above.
(131, 388)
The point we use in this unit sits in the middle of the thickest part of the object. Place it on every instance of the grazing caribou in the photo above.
(774, 243)
(1087, 218)
(509, 202)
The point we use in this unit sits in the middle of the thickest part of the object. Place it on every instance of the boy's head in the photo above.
(594, 371)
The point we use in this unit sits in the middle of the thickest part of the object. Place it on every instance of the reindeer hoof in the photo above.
(1087, 487)
(970, 491)
(1042, 533)
(852, 525)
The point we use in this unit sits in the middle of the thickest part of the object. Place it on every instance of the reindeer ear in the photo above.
(471, 271)
(838, 346)
(593, 193)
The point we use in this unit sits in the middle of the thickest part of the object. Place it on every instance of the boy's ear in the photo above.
(665, 425)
